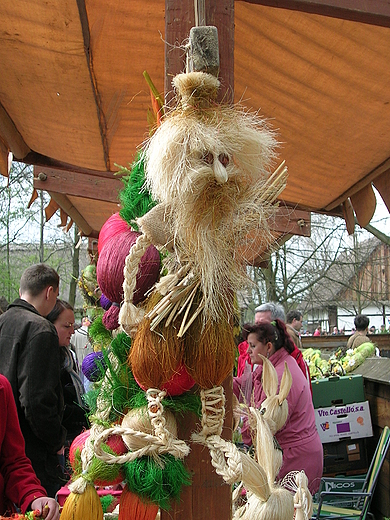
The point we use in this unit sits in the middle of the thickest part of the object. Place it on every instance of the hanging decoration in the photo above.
(201, 186)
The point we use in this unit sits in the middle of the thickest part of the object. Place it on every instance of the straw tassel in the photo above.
(131, 507)
(85, 506)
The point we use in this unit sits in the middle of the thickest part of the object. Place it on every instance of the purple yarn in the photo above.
(93, 366)
(105, 303)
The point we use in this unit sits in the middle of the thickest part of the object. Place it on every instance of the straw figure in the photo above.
(209, 187)
(207, 166)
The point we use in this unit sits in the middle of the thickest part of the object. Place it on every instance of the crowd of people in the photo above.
(41, 406)
(41, 390)
(275, 340)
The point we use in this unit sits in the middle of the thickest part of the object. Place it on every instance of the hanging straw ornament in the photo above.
(207, 166)
(266, 500)
(85, 506)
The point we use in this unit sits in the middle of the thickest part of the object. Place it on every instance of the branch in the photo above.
(378, 234)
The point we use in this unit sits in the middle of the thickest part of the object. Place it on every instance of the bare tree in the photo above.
(308, 272)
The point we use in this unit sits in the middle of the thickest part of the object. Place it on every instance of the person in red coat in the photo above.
(19, 485)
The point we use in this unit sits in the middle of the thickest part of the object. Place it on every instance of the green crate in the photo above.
(338, 390)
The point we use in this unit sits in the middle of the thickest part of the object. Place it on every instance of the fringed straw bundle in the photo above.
(131, 507)
(155, 356)
(85, 506)
(209, 352)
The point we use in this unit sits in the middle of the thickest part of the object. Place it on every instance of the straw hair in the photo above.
(209, 352)
(211, 206)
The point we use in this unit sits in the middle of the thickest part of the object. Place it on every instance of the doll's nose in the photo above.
(220, 172)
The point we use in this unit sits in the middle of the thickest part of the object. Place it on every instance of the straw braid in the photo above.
(102, 414)
(130, 316)
(162, 442)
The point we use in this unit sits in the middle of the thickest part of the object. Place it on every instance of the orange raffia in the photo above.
(131, 506)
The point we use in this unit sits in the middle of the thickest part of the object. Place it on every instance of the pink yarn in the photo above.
(111, 317)
(112, 226)
(109, 272)
(115, 443)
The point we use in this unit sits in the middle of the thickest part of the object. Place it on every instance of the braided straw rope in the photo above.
(129, 315)
(162, 442)
(225, 457)
(87, 454)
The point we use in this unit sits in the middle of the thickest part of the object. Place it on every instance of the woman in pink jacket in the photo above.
(299, 439)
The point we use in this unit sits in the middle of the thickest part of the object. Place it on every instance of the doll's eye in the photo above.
(223, 159)
(208, 157)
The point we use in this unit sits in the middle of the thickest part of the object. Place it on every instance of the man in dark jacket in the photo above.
(30, 360)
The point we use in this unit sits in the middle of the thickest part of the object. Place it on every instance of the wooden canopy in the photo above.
(73, 100)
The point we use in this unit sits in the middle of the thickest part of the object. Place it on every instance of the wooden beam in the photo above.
(37, 159)
(283, 225)
(90, 186)
(374, 12)
(11, 137)
(179, 18)
(208, 496)
(88, 54)
(68, 207)
(288, 221)
(376, 172)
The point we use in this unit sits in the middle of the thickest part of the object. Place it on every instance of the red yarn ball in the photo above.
(78, 443)
(111, 262)
(114, 442)
(179, 383)
(112, 226)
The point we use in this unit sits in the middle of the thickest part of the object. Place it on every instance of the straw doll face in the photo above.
(207, 164)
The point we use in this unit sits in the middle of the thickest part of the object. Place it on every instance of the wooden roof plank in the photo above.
(374, 12)
(83, 185)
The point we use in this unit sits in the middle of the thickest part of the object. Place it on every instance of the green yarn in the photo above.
(106, 501)
(90, 399)
(134, 197)
(98, 469)
(157, 483)
(119, 384)
(98, 333)
(120, 346)
(101, 471)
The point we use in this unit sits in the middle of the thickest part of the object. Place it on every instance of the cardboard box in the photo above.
(334, 391)
(352, 421)
(346, 457)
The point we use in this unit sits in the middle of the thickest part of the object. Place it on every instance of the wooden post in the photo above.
(208, 497)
